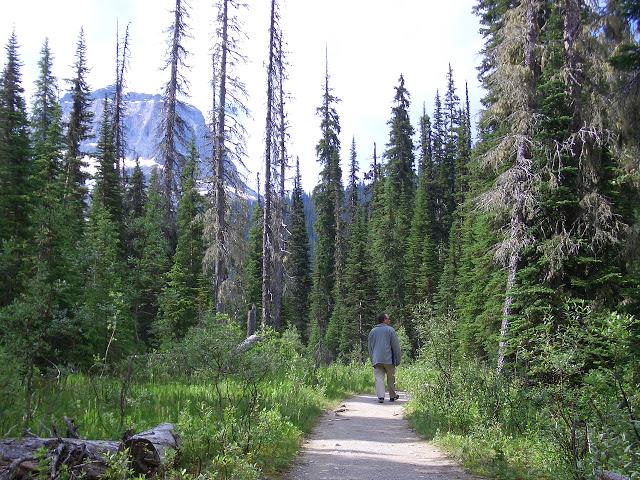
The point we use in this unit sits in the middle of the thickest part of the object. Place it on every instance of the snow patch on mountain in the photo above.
(141, 124)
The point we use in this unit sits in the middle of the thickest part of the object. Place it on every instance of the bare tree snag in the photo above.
(118, 102)
(219, 151)
(281, 213)
(251, 321)
(267, 245)
(516, 180)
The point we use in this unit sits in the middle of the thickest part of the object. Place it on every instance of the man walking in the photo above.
(384, 351)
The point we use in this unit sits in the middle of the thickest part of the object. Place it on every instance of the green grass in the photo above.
(489, 452)
(463, 430)
(288, 405)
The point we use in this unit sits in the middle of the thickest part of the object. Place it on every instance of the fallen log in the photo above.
(147, 452)
(19, 458)
(247, 343)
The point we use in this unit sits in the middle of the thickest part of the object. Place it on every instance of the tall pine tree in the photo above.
(399, 192)
(327, 197)
(78, 130)
(15, 171)
(421, 261)
(108, 184)
(154, 260)
(297, 262)
(183, 296)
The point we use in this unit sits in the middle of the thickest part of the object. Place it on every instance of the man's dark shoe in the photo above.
(393, 399)
(380, 400)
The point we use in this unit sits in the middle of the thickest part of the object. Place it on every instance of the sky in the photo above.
(369, 44)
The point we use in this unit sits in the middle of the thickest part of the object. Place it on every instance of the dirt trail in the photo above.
(365, 440)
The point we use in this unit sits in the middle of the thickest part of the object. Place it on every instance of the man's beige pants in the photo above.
(379, 370)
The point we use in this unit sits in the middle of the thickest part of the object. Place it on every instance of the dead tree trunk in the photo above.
(83, 457)
(148, 450)
(118, 103)
(267, 245)
(251, 321)
(219, 150)
(278, 289)
(519, 176)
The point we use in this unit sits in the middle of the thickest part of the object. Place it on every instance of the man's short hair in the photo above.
(381, 317)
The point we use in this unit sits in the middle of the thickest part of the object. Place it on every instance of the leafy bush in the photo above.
(568, 409)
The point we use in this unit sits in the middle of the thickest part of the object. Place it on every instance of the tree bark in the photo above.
(251, 321)
(280, 253)
(118, 128)
(570, 33)
(266, 231)
(522, 172)
(148, 450)
(220, 206)
(87, 457)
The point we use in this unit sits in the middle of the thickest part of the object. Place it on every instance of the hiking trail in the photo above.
(365, 440)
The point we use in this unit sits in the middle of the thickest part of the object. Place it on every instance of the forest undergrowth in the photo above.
(238, 415)
(566, 409)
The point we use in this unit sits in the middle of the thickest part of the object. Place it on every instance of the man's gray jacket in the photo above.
(384, 346)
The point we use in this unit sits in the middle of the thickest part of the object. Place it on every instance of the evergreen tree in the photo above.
(479, 287)
(378, 232)
(421, 258)
(182, 297)
(15, 171)
(352, 188)
(41, 311)
(328, 201)
(339, 317)
(108, 185)
(153, 262)
(104, 315)
(441, 219)
(136, 195)
(134, 202)
(78, 130)
(54, 290)
(136, 199)
(398, 204)
(512, 196)
(45, 99)
(582, 191)
(297, 264)
(452, 122)
(454, 172)
(359, 296)
(253, 267)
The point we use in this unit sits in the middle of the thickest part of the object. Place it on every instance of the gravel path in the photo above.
(365, 440)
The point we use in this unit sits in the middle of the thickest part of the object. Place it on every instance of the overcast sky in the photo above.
(370, 43)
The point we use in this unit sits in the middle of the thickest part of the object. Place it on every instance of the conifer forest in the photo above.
(504, 244)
